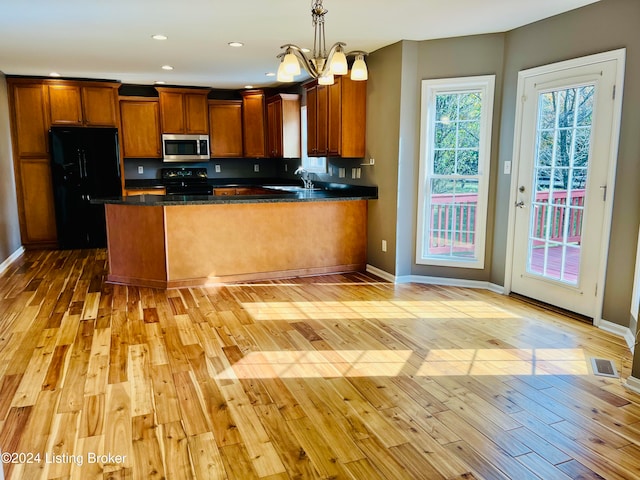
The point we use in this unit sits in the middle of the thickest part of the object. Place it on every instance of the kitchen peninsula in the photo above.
(239, 235)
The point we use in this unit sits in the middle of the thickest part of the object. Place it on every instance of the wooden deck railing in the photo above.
(453, 219)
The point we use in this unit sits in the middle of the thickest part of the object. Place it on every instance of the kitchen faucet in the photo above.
(304, 176)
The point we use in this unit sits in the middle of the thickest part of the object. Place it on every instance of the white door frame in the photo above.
(618, 55)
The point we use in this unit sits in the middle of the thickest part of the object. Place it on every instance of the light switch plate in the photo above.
(507, 167)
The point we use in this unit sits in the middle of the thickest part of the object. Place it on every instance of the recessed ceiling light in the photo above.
(159, 82)
(248, 86)
(54, 74)
(167, 67)
(159, 36)
(236, 44)
(270, 74)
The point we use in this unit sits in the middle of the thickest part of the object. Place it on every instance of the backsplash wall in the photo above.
(244, 168)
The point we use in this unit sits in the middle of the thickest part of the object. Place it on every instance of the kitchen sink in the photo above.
(250, 190)
(294, 188)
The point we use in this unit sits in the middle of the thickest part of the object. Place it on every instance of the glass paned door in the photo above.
(561, 161)
(566, 126)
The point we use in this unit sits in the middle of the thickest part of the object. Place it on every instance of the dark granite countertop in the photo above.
(280, 193)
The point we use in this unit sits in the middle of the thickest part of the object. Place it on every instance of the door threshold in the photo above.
(552, 308)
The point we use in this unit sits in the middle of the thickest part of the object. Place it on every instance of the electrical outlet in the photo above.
(218, 168)
(140, 169)
(384, 245)
(256, 167)
(342, 172)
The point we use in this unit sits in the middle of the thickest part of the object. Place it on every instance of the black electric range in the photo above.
(186, 181)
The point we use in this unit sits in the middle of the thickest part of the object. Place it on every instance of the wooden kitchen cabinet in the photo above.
(336, 118)
(283, 125)
(140, 128)
(29, 119)
(254, 123)
(184, 111)
(144, 191)
(80, 104)
(38, 226)
(317, 120)
(29, 127)
(225, 128)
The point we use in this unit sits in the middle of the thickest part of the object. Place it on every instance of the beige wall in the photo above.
(9, 226)
(393, 134)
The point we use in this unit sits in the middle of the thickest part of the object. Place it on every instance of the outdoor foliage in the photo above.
(564, 136)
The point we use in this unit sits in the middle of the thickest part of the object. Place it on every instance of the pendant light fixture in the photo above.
(320, 64)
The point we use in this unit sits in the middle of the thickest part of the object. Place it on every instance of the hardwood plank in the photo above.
(206, 458)
(176, 448)
(148, 462)
(139, 381)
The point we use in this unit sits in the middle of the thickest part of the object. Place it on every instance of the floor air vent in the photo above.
(604, 368)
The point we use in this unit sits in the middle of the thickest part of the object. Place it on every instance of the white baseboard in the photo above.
(12, 258)
(444, 281)
(633, 384)
(381, 273)
(620, 331)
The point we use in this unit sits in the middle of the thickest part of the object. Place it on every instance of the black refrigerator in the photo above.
(85, 164)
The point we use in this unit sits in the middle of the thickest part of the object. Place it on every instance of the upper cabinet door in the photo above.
(196, 113)
(225, 124)
(29, 119)
(336, 118)
(65, 105)
(92, 106)
(283, 125)
(253, 123)
(140, 129)
(184, 110)
(172, 112)
(99, 106)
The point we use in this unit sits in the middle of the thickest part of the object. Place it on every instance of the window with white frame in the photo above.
(455, 148)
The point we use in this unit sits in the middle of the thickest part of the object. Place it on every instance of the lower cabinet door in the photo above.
(38, 213)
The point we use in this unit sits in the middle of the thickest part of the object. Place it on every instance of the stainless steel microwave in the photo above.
(185, 148)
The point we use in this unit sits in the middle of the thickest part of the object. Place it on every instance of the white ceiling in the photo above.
(112, 39)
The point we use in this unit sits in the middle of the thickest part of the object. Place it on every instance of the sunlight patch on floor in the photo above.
(389, 363)
(384, 309)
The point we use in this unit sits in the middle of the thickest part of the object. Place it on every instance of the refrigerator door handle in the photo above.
(84, 160)
(82, 174)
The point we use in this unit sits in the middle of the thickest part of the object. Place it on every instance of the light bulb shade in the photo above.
(291, 64)
(282, 75)
(339, 63)
(326, 79)
(359, 69)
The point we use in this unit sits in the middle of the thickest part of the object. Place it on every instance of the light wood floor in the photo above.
(340, 376)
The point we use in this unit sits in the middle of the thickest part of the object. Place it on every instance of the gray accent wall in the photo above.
(393, 123)
(9, 225)
(384, 89)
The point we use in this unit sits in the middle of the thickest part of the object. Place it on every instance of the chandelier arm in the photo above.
(302, 58)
